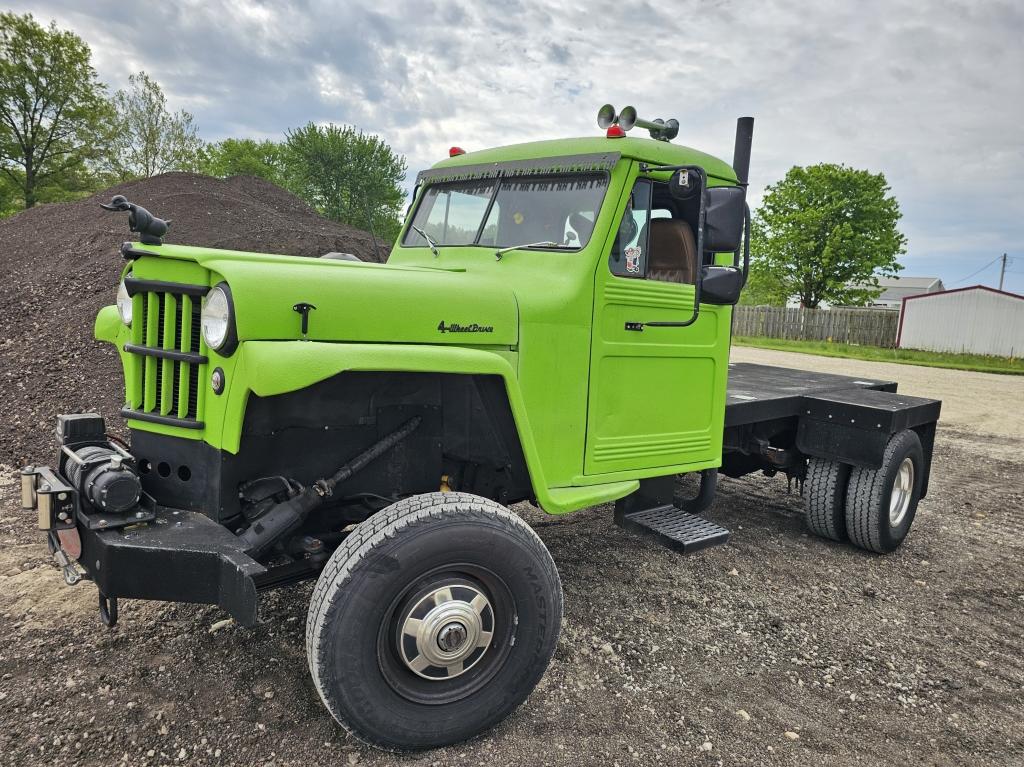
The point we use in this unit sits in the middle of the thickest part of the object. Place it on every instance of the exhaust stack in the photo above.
(741, 153)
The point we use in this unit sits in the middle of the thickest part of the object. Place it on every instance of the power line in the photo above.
(986, 266)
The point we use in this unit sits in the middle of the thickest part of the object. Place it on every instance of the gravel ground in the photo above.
(776, 649)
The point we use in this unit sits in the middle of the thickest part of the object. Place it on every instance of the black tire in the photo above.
(397, 570)
(868, 496)
(825, 498)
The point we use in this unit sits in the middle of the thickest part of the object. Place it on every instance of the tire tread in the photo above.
(867, 496)
(386, 525)
(825, 496)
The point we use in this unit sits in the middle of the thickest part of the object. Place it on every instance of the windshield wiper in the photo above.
(546, 244)
(430, 242)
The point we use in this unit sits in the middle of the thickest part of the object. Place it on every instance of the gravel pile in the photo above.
(60, 263)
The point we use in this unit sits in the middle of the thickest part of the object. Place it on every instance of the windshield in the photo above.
(513, 211)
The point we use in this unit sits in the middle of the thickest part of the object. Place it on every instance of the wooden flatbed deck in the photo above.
(762, 392)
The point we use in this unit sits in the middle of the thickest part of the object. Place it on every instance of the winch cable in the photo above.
(288, 515)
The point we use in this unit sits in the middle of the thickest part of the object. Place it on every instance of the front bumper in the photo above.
(179, 556)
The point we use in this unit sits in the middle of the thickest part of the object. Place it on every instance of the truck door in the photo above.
(656, 396)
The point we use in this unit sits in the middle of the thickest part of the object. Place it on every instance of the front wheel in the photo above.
(433, 621)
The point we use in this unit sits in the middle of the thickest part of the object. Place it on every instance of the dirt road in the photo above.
(913, 658)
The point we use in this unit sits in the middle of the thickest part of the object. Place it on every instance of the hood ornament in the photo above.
(149, 227)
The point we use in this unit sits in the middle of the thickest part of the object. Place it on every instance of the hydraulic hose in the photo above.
(284, 518)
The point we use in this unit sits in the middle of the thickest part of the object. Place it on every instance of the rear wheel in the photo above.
(433, 621)
(881, 503)
(825, 498)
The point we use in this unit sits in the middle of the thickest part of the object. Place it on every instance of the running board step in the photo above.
(674, 528)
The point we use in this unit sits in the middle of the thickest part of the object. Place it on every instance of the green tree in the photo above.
(348, 176)
(54, 117)
(763, 288)
(8, 197)
(245, 157)
(826, 233)
(149, 139)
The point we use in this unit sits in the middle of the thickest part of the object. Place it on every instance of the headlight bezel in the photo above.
(228, 338)
(125, 304)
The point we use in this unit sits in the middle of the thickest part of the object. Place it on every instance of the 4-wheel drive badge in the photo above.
(454, 327)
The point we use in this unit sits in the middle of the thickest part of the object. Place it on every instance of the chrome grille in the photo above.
(166, 356)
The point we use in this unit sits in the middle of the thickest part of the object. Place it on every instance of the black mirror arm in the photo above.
(746, 244)
(699, 277)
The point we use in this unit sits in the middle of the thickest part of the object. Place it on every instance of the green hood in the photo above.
(355, 302)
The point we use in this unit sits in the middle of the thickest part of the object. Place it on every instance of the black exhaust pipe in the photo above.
(741, 153)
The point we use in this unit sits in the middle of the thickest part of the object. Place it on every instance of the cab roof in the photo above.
(643, 149)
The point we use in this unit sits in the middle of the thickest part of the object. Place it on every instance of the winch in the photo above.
(104, 478)
(102, 473)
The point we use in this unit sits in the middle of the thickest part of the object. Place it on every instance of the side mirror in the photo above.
(723, 218)
(721, 285)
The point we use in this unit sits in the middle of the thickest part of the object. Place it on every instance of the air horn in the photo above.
(662, 130)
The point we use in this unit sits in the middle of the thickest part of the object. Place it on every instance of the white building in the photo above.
(895, 289)
(976, 320)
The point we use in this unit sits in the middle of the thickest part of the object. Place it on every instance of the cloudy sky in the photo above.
(931, 93)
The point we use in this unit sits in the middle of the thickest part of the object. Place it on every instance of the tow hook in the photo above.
(108, 610)
(68, 567)
(71, 574)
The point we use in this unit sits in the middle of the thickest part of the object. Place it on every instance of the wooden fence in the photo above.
(867, 327)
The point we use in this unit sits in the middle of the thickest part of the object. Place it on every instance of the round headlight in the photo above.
(124, 304)
(216, 318)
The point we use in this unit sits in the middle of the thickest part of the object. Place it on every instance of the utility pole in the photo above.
(1002, 272)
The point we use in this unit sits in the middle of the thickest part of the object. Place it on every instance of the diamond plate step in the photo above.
(674, 528)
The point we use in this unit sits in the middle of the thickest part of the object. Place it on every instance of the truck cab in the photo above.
(611, 243)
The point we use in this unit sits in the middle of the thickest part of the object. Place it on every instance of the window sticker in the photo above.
(633, 258)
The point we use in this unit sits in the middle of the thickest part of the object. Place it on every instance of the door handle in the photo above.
(639, 326)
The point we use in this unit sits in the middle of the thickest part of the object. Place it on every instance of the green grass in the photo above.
(977, 362)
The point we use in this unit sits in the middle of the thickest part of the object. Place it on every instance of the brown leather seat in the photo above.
(672, 251)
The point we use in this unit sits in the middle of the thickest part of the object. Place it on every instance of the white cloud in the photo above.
(929, 93)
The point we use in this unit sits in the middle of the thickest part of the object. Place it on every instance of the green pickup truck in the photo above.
(552, 327)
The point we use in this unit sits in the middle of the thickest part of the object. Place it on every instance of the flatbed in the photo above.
(760, 392)
(776, 418)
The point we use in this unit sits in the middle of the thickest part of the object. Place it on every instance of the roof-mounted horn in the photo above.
(626, 120)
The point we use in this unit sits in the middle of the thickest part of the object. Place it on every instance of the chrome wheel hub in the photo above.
(446, 631)
(902, 491)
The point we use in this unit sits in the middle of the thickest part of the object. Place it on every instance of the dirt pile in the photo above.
(60, 263)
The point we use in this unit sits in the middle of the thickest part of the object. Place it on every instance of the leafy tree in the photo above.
(149, 139)
(8, 197)
(347, 175)
(763, 288)
(825, 233)
(236, 157)
(54, 117)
